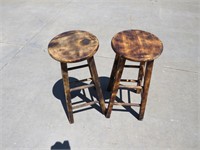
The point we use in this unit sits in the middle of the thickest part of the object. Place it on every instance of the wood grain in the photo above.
(137, 45)
(73, 46)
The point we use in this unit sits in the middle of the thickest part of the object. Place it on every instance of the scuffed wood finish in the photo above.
(85, 104)
(81, 87)
(113, 73)
(95, 79)
(114, 89)
(137, 45)
(67, 92)
(147, 79)
(73, 46)
(141, 75)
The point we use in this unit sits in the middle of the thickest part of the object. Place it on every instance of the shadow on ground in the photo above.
(58, 92)
(58, 145)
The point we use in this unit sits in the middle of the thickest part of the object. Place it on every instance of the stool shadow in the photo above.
(58, 92)
(58, 145)
(104, 84)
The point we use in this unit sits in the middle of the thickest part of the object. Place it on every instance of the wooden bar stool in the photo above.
(71, 47)
(138, 46)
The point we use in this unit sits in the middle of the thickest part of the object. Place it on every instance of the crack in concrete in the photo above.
(52, 19)
(13, 44)
(180, 69)
(12, 58)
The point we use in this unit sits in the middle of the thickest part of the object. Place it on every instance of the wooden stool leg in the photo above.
(113, 73)
(96, 82)
(119, 68)
(141, 75)
(147, 79)
(67, 92)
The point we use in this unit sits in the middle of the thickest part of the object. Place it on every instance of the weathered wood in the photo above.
(73, 46)
(120, 67)
(85, 104)
(77, 67)
(130, 87)
(141, 75)
(126, 104)
(81, 87)
(129, 80)
(82, 80)
(67, 92)
(95, 79)
(147, 79)
(132, 66)
(113, 73)
(137, 45)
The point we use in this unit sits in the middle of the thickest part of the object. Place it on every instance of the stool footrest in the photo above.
(126, 104)
(82, 80)
(130, 87)
(85, 104)
(77, 67)
(128, 80)
(131, 66)
(81, 87)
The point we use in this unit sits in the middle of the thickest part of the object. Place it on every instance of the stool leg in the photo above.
(141, 75)
(113, 73)
(67, 92)
(96, 82)
(147, 79)
(119, 68)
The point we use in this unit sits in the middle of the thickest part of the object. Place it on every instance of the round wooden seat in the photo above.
(137, 45)
(73, 46)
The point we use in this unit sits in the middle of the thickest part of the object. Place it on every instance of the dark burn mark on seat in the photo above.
(64, 34)
(137, 45)
(67, 33)
(130, 35)
(53, 44)
(149, 37)
(118, 46)
(85, 42)
(118, 39)
(73, 46)
(61, 49)
(66, 53)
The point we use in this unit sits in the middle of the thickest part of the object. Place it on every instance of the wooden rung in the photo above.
(127, 104)
(85, 104)
(130, 87)
(83, 80)
(81, 87)
(128, 80)
(77, 67)
(132, 66)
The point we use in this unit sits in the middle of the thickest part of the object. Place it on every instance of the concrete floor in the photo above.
(32, 115)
